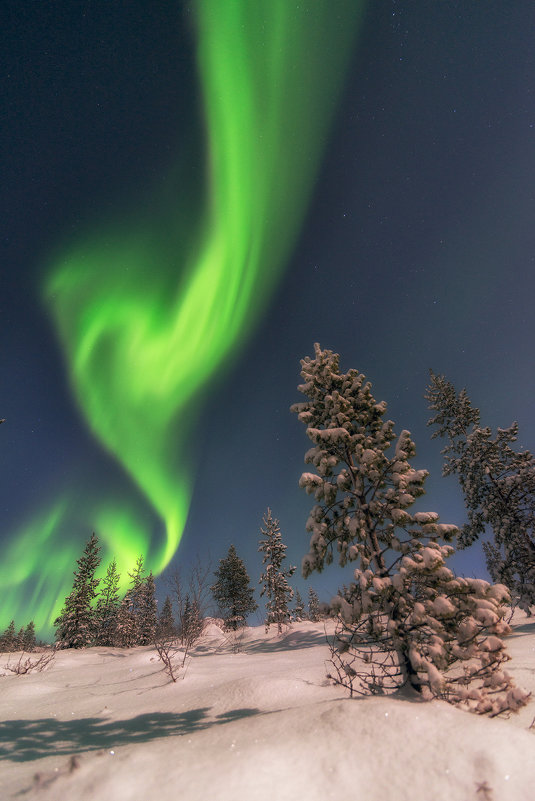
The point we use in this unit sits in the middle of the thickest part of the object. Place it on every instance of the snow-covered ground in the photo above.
(262, 723)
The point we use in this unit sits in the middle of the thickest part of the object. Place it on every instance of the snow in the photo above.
(258, 724)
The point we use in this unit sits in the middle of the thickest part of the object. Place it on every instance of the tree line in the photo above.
(23, 640)
(95, 614)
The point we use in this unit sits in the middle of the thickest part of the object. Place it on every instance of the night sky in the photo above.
(415, 249)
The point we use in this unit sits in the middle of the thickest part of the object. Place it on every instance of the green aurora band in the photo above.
(146, 314)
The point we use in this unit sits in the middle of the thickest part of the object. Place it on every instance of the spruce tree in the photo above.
(299, 607)
(29, 641)
(135, 594)
(75, 626)
(274, 578)
(498, 485)
(148, 611)
(19, 639)
(313, 605)
(129, 615)
(166, 621)
(8, 639)
(126, 632)
(405, 618)
(232, 592)
(107, 608)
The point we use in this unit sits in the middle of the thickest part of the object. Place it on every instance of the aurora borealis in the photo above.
(190, 201)
(145, 317)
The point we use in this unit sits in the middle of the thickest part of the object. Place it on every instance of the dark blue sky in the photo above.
(418, 250)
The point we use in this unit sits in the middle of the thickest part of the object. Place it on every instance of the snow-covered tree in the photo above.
(128, 616)
(135, 595)
(107, 608)
(75, 626)
(29, 640)
(405, 619)
(498, 484)
(313, 605)
(19, 639)
(166, 621)
(8, 638)
(274, 578)
(126, 633)
(231, 591)
(147, 611)
(299, 607)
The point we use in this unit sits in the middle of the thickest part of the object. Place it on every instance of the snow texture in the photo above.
(259, 724)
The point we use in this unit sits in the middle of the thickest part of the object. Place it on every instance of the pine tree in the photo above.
(75, 626)
(19, 639)
(107, 608)
(135, 594)
(232, 592)
(274, 578)
(29, 641)
(8, 639)
(166, 622)
(313, 606)
(129, 621)
(148, 611)
(405, 619)
(498, 486)
(299, 607)
(126, 632)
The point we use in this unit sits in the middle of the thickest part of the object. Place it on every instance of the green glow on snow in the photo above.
(145, 316)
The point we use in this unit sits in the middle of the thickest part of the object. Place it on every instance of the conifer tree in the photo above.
(75, 626)
(274, 578)
(19, 639)
(129, 617)
(148, 611)
(405, 619)
(126, 632)
(232, 592)
(313, 605)
(7, 641)
(28, 640)
(299, 607)
(498, 485)
(137, 577)
(135, 594)
(107, 608)
(166, 621)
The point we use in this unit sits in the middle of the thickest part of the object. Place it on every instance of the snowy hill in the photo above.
(260, 723)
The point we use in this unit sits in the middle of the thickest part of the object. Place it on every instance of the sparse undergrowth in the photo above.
(31, 664)
(174, 658)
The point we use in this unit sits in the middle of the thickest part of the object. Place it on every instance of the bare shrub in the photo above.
(191, 601)
(173, 658)
(31, 664)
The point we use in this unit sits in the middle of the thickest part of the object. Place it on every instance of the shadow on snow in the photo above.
(26, 740)
(289, 640)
